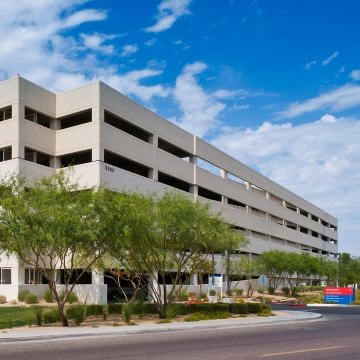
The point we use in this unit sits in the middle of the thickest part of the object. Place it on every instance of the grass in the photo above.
(13, 316)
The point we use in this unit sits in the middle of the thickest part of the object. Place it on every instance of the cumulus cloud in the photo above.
(130, 83)
(200, 109)
(342, 98)
(332, 57)
(168, 13)
(319, 161)
(355, 75)
(39, 40)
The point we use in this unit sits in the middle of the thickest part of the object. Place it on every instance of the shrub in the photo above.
(31, 298)
(94, 310)
(72, 298)
(29, 318)
(128, 311)
(172, 311)
(271, 290)
(260, 291)
(38, 310)
(48, 296)
(2, 299)
(255, 308)
(51, 316)
(182, 295)
(285, 290)
(198, 316)
(76, 313)
(115, 308)
(22, 294)
(238, 292)
(105, 312)
(238, 308)
(311, 299)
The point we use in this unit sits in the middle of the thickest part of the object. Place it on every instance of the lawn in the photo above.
(13, 316)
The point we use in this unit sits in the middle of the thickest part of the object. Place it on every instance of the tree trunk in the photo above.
(64, 319)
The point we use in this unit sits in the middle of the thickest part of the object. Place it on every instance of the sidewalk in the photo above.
(44, 333)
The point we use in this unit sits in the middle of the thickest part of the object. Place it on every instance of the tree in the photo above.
(51, 224)
(170, 236)
(349, 270)
(273, 265)
(298, 269)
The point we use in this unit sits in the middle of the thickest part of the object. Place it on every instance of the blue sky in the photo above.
(275, 83)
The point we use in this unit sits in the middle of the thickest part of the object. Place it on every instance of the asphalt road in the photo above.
(336, 336)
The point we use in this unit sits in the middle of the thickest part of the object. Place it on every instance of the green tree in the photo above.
(349, 270)
(274, 265)
(298, 267)
(51, 224)
(171, 235)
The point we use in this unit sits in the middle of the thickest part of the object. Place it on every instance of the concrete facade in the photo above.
(114, 141)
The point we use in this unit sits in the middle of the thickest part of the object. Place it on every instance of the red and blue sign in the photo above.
(339, 295)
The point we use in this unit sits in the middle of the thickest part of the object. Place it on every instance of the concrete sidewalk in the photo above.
(44, 333)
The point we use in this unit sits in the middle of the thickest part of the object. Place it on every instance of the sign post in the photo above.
(263, 281)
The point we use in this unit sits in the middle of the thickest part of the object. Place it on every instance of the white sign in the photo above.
(263, 280)
(217, 280)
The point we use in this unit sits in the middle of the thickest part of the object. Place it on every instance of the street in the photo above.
(333, 337)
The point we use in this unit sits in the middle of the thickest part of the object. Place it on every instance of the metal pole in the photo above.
(228, 291)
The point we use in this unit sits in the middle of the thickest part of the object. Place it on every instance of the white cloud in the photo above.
(332, 57)
(96, 42)
(168, 12)
(310, 64)
(130, 83)
(200, 109)
(36, 43)
(355, 75)
(342, 98)
(240, 107)
(319, 161)
(129, 49)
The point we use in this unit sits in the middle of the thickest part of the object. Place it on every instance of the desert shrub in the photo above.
(127, 312)
(238, 292)
(182, 295)
(38, 311)
(76, 313)
(31, 298)
(94, 310)
(172, 311)
(285, 290)
(198, 316)
(29, 318)
(150, 309)
(271, 290)
(48, 296)
(51, 316)
(72, 298)
(2, 299)
(105, 312)
(22, 294)
(311, 299)
(238, 308)
(115, 308)
(260, 291)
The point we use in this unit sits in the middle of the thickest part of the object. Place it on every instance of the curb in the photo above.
(63, 333)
